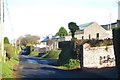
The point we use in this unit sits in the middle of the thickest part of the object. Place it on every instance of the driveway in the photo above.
(31, 67)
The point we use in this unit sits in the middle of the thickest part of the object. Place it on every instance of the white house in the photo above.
(91, 30)
(55, 40)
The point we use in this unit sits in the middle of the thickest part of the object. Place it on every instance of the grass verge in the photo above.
(7, 68)
(33, 53)
(53, 54)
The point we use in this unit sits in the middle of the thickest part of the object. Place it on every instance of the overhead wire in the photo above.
(9, 18)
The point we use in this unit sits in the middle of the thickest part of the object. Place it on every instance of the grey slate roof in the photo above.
(47, 38)
(113, 25)
(83, 26)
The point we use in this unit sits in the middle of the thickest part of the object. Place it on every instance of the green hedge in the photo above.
(7, 67)
(66, 53)
(9, 49)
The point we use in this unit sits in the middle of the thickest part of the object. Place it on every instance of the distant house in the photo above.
(109, 26)
(91, 30)
(54, 45)
(44, 42)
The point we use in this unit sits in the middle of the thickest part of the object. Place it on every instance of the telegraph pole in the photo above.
(110, 21)
(118, 21)
(1, 29)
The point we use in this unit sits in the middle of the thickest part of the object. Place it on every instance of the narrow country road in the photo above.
(31, 67)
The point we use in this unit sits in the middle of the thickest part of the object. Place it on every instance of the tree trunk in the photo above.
(116, 43)
(73, 34)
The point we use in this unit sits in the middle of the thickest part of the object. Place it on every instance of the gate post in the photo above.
(116, 43)
(81, 57)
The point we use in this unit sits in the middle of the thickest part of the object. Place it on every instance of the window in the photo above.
(97, 36)
(82, 37)
(89, 36)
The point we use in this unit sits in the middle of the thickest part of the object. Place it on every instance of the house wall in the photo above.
(92, 30)
(43, 44)
(98, 57)
(68, 38)
(109, 34)
(55, 45)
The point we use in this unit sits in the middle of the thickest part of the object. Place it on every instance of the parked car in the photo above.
(25, 51)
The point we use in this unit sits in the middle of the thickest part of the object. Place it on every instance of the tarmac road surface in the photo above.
(31, 67)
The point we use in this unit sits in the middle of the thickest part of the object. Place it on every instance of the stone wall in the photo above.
(98, 57)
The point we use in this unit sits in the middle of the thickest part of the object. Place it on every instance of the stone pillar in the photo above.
(116, 43)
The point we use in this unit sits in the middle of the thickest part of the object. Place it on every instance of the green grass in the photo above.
(7, 67)
(33, 53)
(53, 54)
(43, 57)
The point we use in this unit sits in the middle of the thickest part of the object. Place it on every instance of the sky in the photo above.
(45, 17)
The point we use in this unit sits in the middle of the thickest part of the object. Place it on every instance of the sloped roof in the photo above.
(53, 37)
(83, 26)
(106, 26)
(45, 40)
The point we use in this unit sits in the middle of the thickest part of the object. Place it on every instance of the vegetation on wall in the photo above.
(97, 43)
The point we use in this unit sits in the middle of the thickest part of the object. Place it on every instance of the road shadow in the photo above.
(84, 73)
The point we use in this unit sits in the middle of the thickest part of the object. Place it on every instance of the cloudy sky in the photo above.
(44, 17)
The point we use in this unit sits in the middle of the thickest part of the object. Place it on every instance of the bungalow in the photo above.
(54, 45)
(109, 26)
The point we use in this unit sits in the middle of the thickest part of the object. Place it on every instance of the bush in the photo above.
(11, 51)
(73, 63)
